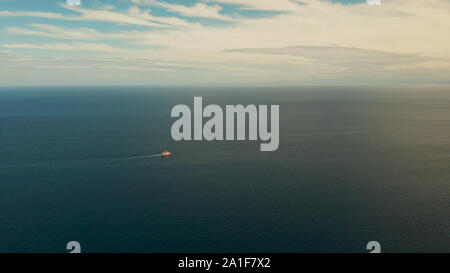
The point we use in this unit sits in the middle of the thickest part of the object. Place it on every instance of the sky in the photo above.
(224, 42)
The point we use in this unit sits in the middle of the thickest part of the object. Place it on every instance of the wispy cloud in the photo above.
(48, 15)
(355, 60)
(198, 10)
(76, 46)
(82, 33)
(133, 17)
(266, 5)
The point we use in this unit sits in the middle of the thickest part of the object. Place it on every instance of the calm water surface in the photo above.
(355, 164)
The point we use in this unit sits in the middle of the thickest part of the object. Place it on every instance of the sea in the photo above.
(355, 164)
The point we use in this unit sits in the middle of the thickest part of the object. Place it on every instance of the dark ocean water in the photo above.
(354, 165)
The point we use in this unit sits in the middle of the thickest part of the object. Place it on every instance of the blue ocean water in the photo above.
(355, 164)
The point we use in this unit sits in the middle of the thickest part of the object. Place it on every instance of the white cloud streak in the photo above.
(82, 33)
(133, 17)
(75, 46)
(198, 10)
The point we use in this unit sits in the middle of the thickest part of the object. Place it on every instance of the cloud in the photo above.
(396, 26)
(359, 65)
(133, 17)
(82, 33)
(353, 58)
(112, 16)
(264, 5)
(303, 42)
(48, 15)
(4, 55)
(75, 46)
(198, 10)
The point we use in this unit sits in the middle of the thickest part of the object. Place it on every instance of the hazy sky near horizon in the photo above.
(224, 42)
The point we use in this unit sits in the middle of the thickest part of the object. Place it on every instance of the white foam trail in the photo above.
(73, 163)
(138, 157)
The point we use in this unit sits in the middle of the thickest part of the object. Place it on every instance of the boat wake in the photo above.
(74, 163)
(138, 157)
